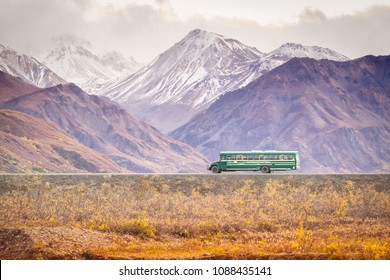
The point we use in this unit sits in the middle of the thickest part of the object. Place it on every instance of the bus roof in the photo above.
(259, 152)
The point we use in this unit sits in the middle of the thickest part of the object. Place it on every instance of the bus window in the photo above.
(261, 157)
(233, 157)
(244, 157)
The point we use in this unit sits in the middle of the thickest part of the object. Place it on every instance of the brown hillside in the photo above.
(30, 144)
(12, 87)
(103, 126)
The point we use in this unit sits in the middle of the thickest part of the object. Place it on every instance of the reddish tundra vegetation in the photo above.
(195, 217)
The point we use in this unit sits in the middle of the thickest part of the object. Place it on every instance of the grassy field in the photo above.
(195, 216)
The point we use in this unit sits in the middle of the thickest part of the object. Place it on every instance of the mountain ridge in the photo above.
(30, 144)
(80, 64)
(188, 77)
(107, 128)
(27, 68)
(328, 110)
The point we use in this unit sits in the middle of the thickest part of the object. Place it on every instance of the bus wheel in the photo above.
(265, 169)
(215, 169)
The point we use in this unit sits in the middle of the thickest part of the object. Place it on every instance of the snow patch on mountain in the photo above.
(195, 72)
(191, 74)
(80, 64)
(27, 68)
(291, 50)
(199, 67)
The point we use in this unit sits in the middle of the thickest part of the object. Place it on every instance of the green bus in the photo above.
(264, 161)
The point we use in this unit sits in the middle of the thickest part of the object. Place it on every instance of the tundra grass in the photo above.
(167, 219)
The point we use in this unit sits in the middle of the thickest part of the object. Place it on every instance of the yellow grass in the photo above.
(278, 220)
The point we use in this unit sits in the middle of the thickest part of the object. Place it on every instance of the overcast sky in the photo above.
(145, 28)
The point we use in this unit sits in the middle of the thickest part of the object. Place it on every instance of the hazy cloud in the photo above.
(144, 31)
(70, 39)
(310, 15)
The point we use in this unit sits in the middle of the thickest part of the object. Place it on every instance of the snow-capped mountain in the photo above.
(79, 64)
(185, 79)
(291, 50)
(192, 74)
(27, 68)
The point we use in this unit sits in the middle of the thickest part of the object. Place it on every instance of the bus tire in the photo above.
(265, 169)
(215, 169)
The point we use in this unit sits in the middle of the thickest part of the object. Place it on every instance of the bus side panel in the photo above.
(223, 165)
(242, 165)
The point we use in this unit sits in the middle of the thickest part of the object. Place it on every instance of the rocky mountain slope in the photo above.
(192, 74)
(335, 113)
(12, 87)
(30, 144)
(185, 79)
(104, 127)
(27, 68)
(291, 50)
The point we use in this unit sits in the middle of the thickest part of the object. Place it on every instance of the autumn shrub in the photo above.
(149, 210)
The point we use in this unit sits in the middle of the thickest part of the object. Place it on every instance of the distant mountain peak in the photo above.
(290, 50)
(2, 47)
(204, 38)
(198, 32)
(62, 52)
(194, 72)
(79, 63)
(27, 68)
(188, 76)
(71, 40)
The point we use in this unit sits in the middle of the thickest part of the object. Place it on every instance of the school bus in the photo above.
(264, 161)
